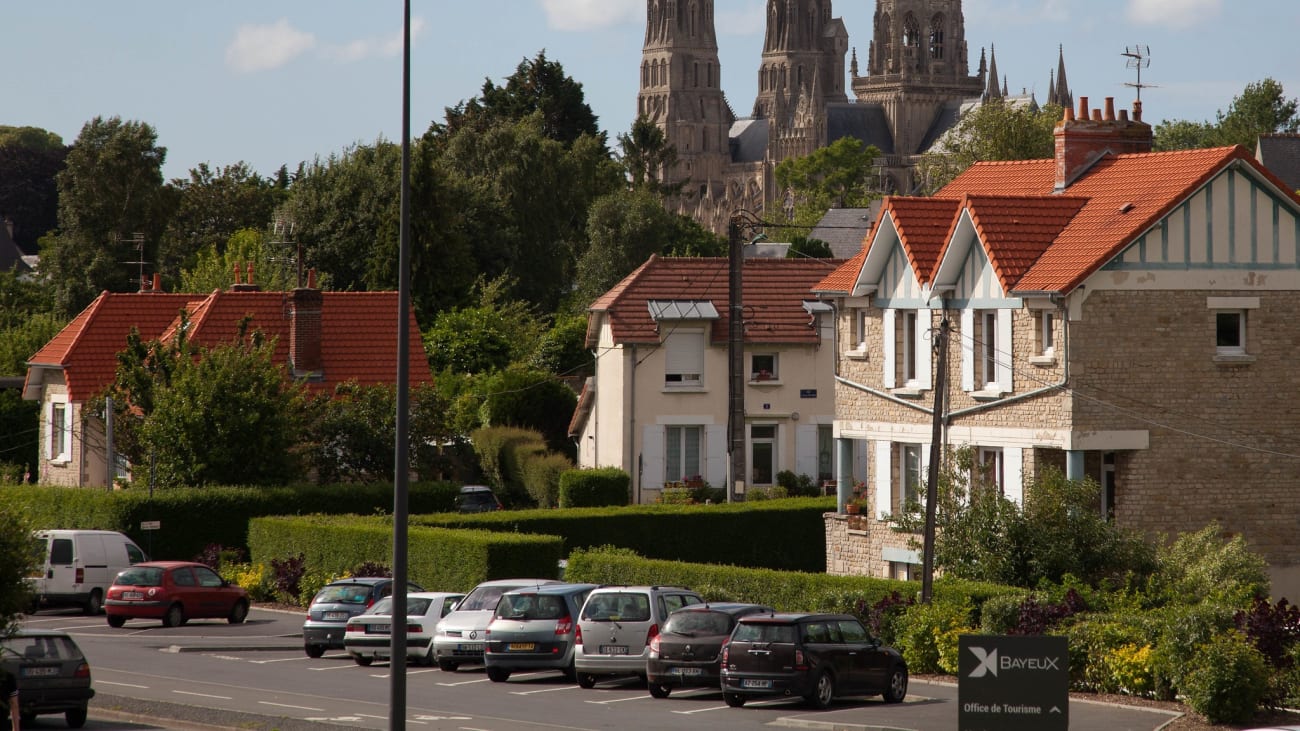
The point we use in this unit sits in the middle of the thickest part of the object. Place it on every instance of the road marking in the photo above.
(463, 682)
(702, 710)
(366, 715)
(285, 705)
(544, 690)
(408, 672)
(224, 657)
(203, 695)
(619, 700)
(281, 659)
(338, 667)
(124, 685)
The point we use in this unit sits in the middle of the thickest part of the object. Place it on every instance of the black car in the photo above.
(53, 675)
(477, 499)
(818, 657)
(336, 603)
(688, 650)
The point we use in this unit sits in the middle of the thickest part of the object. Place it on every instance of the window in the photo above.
(59, 436)
(904, 571)
(1046, 334)
(908, 347)
(988, 466)
(762, 454)
(684, 363)
(825, 452)
(1230, 332)
(988, 348)
(682, 457)
(936, 38)
(762, 367)
(860, 329)
(910, 478)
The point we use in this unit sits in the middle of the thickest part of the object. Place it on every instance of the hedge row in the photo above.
(438, 560)
(777, 534)
(192, 518)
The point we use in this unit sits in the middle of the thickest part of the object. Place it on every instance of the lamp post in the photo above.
(741, 220)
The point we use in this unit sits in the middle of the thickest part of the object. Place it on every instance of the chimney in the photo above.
(244, 286)
(1083, 139)
(305, 330)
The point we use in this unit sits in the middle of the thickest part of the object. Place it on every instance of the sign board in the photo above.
(1013, 683)
(807, 393)
(150, 524)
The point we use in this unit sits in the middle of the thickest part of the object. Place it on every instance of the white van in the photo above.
(76, 567)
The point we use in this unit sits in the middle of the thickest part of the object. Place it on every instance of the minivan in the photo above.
(76, 567)
(617, 625)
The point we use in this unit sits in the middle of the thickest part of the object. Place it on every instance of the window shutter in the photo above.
(925, 473)
(715, 454)
(805, 450)
(1005, 355)
(1013, 486)
(685, 353)
(652, 457)
(884, 489)
(923, 348)
(968, 349)
(887, 348)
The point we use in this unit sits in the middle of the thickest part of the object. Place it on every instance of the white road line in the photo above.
(285, 705)
(281, 659)
(124, 685)
(544, 690)
(463, 682)
(702, 710)
(203, 695)
(366, 715)
(338, 667)
(619, 700)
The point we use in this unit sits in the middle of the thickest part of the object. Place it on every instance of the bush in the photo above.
(883, 616)
(1208, 566)
(1001, 614)
(775, 492)
(1094, 642)
(927, 635)
(286, 577)
(1227, 679)
(797, 485)
(498, 450)
(253, 577)
(594, 488)
(1178, 631)
(541, 477)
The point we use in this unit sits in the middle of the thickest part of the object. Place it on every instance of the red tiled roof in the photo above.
(1154, 183)
(841, 280)
(1017, 230)
(923, 226)
(87, 347)
(774, 291)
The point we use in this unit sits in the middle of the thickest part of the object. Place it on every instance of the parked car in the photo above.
(336, 603)
(818, 657)
(53, 675)
(477, 499)
(368, 635)
(618, 623)
(688, 649)
(533, 629)
(174, 592)
(461, 634)
(76, 567)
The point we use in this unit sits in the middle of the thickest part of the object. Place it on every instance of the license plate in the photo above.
(521, 646)
(132, 595)
(749, 683)
(613, 649)
(686, 671)
(40, 672)
(335, 616)
(378, 629)
(470, 647)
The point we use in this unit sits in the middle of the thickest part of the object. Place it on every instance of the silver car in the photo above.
(369, 634)
(533, 629)
(460, 635)
(616, 627)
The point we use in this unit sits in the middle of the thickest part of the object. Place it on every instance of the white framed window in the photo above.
(860, 329)
(1230, 332)
(682, 450)
(762, 454)
(909, 475)
(990, 470)
(58, 437)
(684, 361)
(908, 346)
(1046, 333)
(904, 571)
(988, 349)
(763, 367)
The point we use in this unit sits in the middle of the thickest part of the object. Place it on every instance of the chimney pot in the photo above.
(250, 272)
(1123, 115)
(1110, 109)
(1137, 110)
(157, 282)
(311, 279)
(238, 272)
(1083, 107)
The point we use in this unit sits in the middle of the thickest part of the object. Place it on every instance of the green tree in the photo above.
(214, 268)
(563, 349)
(1261, 108)
(16, 561)
(211, 206)
(803, 247)
(110, 189)
(646, 155)
(19, 435)
(484, 338)
(996, 130)
(835, 176)
(1181, 134)
(352, 435)
(531, 400)
(623, 230)
(31, 158)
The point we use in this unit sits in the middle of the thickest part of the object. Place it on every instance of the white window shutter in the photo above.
(1005, 355)
(887, 348)
(968, 349)
(1013, 485)
(884, 485)
(924, 487)
(652, 457)
(715, 455)
(922, 348)
(805, 450)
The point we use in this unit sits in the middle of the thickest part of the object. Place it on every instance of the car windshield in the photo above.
(343, 594)
(617, 607)
(763, 632)
(140, 576)
(698, 623)
(42, 648)
(415, 606)
(483, 597)
(531, 606)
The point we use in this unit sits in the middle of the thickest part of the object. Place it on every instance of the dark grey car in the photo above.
(336, 603)
(53, 675)
(688, 649)
(533, 629)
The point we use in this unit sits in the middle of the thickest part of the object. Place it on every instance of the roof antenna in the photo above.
(1139, 57)
(282, 228)
(137, 239)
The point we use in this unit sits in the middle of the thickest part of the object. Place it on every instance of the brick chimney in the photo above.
(1084, 139)
(305, 329)
(244, 286)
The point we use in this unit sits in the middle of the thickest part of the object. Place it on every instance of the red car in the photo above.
(175, 592)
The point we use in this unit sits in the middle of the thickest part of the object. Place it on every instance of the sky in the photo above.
(282, 81)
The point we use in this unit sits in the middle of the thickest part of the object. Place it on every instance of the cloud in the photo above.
(579, 15)
(265, 47)
(1172, 13)
(382, 47)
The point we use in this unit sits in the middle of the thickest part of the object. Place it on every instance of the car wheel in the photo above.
(498, 675)
(896, 690)
(659, 690)
(76, 717)
(314, 650)
(823, 691)
(116, 621)
(735, 700)
(447, 666)
(95, 604)
(363, 660)
(586, 680)
(238, 613)
(174, 616)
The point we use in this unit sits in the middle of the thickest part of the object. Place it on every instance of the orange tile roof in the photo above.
(841, 280)
(923, 226)
(1017, 230)
(774, 291)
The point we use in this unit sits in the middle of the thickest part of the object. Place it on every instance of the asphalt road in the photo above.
(209, 674)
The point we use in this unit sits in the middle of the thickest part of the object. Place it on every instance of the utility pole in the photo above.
(735, 357)
(936, 454)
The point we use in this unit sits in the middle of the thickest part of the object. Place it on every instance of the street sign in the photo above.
(150, 525)
(1013, 683)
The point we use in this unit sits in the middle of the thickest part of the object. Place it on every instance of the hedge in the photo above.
(192, 518)
(438, 560)
(788, 535)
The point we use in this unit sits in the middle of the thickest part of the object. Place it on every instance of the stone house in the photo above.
(657, 406)
(1123, 315)
(322, 338)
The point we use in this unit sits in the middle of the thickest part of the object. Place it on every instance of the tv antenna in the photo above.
(1139, 57)
(282, 228)
(137, 239)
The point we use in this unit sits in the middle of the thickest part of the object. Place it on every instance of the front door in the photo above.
(762, 454)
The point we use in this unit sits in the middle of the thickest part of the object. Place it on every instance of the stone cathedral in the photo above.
(916, 84)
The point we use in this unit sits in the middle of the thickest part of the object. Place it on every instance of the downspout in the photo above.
(634, 464)
(1065, 376)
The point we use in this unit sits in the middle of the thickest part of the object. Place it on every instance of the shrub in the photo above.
(541, 477)
(498, 453)
(1093, 643)
(286, 577)
(215, 555)
(1131, 670)
(253, 577)
(372, 568)
(927, 635)
(1178, 631)
(1273, 629)
(883, 616)
(1227, 679)
(1207, 565)
(1000, 615)
(594, 488)
(797, 485)
(766, 493)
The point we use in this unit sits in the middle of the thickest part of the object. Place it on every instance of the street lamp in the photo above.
(741, 222)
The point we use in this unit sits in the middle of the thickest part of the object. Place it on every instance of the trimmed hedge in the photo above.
(788, 535)
(192, 518)
(439, 560)
(594, 488)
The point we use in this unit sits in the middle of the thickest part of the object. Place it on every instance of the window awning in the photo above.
(682, 310)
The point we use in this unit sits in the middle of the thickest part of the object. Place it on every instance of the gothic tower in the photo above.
(916, 64)
(681, 90)
(803, 55)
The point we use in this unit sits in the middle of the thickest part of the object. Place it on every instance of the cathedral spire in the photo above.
(993, 91)
(1061, 95)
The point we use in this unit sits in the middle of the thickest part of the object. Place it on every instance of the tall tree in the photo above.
(211, 205)
(1261, 108)
(273, 266)
(996, 130)
(110, 190)
(30, 159)
(646, 155)
(538, 86)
